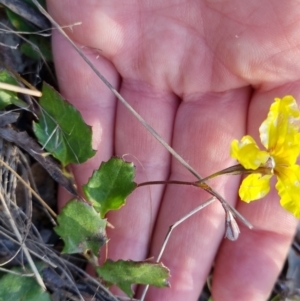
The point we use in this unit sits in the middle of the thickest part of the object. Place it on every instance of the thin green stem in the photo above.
(167, 182)
(233, 170)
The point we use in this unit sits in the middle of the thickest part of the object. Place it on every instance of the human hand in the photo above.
(202, 73)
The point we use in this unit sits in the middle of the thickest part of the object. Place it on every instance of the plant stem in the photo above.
(233, 170)
(167, 182)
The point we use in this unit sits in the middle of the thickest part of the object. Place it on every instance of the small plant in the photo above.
(62, 134)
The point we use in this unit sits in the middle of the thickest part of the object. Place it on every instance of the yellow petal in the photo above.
(288, 187)
(247, 153)
(279, 133)
(254, 187)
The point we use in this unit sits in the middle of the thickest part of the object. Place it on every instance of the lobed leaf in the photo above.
(18, 288)
(126, 273)
(110, 185)
(81, 228)
(61, 129)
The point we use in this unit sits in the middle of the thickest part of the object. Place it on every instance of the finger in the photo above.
(81, 87)
(248, 268)
(91, 23)
(133, 223)
(205, 125)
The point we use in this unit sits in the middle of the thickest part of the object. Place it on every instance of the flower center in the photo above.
(268, 167)
(270, 163)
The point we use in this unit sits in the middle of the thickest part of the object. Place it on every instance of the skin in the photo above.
(202, 73)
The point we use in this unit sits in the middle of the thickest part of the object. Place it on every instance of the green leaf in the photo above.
(125, 273)
(18, 22)
(61, 129)
(17, 288)
(110, 185)
(9, 97)
(39, 48)
(81, 228)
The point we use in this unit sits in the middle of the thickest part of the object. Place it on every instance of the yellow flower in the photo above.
(279, 134)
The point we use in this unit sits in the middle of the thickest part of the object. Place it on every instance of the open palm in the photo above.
(201, 73)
